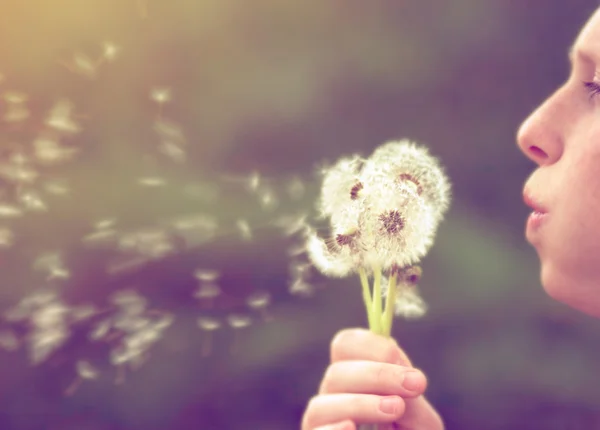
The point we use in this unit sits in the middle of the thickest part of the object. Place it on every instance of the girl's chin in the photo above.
(570, 291)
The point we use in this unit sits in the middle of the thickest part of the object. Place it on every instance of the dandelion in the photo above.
(383, 214)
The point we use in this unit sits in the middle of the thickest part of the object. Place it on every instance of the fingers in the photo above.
(420, 414)
(359, 408)
(361, 344)
(370, 377)
(344, 425)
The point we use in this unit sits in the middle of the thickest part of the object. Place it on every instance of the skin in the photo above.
(562, 136)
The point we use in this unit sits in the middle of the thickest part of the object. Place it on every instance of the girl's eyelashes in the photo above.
(593, 88)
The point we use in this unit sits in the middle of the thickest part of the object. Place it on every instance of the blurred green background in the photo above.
(280, 87)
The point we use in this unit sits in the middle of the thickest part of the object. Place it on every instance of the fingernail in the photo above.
(413, 381)
(390, 405)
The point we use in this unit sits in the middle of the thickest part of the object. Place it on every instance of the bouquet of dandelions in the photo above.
(383, 213)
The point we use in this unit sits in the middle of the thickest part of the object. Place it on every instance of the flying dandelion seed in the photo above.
(206, 275)
(244, 229)
(110, 51)
(7, 237)
(208, 325)
(152, 181)
(61, 119)
(259, 301)
(15, 97)
(237, 322)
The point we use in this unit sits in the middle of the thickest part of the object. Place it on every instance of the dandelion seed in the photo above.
(160, 95)
(110, 51)
(14, 97)
(9, 211)
(259, 301)
(244, 229)
(60, 117)
(48, 151)
(85, 370)
(237, 322)
(152, 181)
(173, 151)
(57, 187)
(206, 275)
(81, 64)
(299, 287)
(32, 202)
(208, 325)
(100, 330)
(296, 250)
(82, 313)
(18, 173)
(267, 199)
(53, 265)
(169, 131)
(106, 223)
(196, 229)
(100, 238)
(152, 243)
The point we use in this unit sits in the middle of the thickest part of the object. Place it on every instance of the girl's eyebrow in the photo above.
(576, 53)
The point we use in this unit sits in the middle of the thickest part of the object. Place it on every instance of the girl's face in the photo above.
(563, 137)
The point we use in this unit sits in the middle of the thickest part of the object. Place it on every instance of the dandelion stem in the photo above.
(376, 305)
(366, 290)
(388, 315)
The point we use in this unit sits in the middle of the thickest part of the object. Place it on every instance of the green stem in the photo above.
(376, 305)
(366, 292)
(387, 319)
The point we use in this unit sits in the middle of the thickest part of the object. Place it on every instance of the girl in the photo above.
(371, 380)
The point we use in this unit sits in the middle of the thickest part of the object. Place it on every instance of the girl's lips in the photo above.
(533, 203)
(535, 221)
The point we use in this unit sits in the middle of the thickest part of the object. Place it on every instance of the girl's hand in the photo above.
(370, 381)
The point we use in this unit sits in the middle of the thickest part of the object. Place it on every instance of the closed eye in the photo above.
(593, 88)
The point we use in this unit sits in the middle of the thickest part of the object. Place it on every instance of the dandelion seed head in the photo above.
(332, 264)
(408, 162)
(338, 182)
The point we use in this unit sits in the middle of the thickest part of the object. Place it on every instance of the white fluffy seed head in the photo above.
(339, 181)
(383, 211)
(406, 161)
